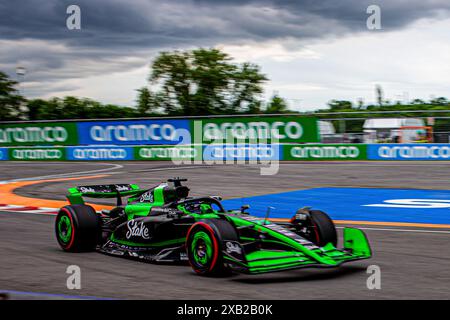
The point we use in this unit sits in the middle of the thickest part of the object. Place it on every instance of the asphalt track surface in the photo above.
(414, 263)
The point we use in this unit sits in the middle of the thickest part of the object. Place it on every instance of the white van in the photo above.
(393, 130)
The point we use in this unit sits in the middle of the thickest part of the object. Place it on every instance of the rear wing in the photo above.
(75, 195)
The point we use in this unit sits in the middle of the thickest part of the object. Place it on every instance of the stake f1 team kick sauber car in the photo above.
(164, 224)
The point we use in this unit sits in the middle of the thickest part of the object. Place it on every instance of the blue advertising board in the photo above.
(139, 132)
(418, 151)
(242, 152)
(3, 154)
(100, 153)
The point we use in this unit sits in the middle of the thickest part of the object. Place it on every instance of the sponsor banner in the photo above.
(139, 132)
(325, 152)
(3, 154)
(100, 153)
(408, 151)
(168, 153)
(32, 134)
(242, 152)
(37, 153)
(256, 130)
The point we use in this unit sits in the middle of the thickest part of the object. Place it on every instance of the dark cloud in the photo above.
(116, 23)
(149, 23)
(34, 32)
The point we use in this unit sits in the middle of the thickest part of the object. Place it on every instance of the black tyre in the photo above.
(204, 246)
(324, 230)
(78, 228)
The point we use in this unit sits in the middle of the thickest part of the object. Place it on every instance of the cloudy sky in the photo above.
(311, 50)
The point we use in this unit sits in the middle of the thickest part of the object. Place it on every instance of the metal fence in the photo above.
(349, 126)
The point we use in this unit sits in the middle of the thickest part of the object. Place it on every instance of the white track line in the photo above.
(69, 174)
(175, 168)
(35, 210)
(92, 172)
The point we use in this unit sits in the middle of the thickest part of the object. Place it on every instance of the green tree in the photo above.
(75, 108)
(144, 100)
(441, 101)
(205, 81)
(379, 95)
(277, 105)
(255, 107)
(418, 101)
(40, 109)
(246, 87)
(340, 105)
(10, 99)
(34, 108)
(360, 104)
(148, 102)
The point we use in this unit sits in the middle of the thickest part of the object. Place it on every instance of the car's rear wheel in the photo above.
(204, 246)
(78, 228)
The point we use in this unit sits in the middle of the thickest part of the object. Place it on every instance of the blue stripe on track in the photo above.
(351, 204)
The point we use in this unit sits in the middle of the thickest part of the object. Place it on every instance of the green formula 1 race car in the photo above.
(164, 224)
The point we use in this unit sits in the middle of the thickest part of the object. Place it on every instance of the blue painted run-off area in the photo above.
(392, 205)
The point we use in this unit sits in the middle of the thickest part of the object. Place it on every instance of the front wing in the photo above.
(356, 247)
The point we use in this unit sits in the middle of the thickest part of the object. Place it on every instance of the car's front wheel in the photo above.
(317, 227)
(325, 228)
(204, 246)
